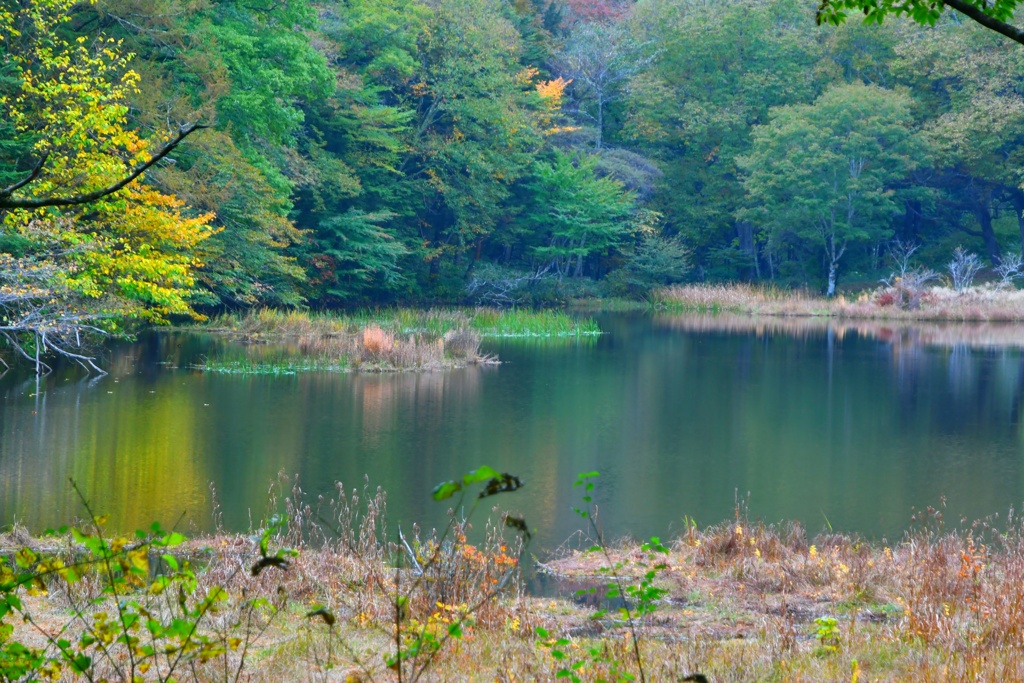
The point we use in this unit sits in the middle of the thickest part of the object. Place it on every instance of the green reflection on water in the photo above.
(854, 422)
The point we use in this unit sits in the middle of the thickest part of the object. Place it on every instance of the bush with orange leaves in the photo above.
(377, 342)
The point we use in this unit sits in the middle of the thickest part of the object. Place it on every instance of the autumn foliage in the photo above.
(82, 267)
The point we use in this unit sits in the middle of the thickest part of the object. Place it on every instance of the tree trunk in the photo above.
(983, 212)
(579, 258)
(745, 237)
(1017, 198)
(833, 268)
(911, 223)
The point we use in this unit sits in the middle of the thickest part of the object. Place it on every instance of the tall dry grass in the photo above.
(750, 601)
(276, 342)
(977, 304)
(382, 340)
(746, 601)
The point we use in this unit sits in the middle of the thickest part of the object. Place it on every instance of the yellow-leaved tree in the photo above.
(84, 243)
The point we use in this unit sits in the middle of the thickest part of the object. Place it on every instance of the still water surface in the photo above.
(851, 426)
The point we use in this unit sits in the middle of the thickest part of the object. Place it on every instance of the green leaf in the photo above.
(173, 539)
(25, 558)
(446, 490)
(480, 474)
(324, 613)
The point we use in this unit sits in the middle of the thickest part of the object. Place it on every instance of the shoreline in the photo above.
(742, 601)
(931, 304)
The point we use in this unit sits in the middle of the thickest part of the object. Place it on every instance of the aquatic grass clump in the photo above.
(434, 322)
(493, 322)
(371, 349)
(284, 366)
(274, 322)
(383, 340)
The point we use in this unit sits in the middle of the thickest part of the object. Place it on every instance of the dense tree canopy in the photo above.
(824, 176)
(374, 151)
(84, 245)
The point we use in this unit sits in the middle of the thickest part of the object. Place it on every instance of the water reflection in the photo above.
(853, 423)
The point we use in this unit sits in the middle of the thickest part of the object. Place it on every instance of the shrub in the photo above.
(963, 268)
(463, 344)
(1009, 269)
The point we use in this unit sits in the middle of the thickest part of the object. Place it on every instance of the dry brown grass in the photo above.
(977, 304)
(744, 599)
(283, 340)
(742, 603)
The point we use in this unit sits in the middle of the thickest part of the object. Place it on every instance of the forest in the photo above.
(338, 154)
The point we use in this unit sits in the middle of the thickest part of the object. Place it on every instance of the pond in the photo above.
(848, 425)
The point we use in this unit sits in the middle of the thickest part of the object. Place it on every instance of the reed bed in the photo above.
(277, 343)
(985, 303)
(370, 350)
(380, 340)
(433, 323)
(499, 323)
(739, 298)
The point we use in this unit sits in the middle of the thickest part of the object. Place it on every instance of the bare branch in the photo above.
(8, 191)
(7, 202)
(32, 322)
(1009, 30)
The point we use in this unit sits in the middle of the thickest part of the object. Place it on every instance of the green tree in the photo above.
(826, 175)
(94, 245)
(973, 106)
(719, 69)
(247, 69)
(479, 124)
(360, 224)
(358, 257)
(584, 214)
